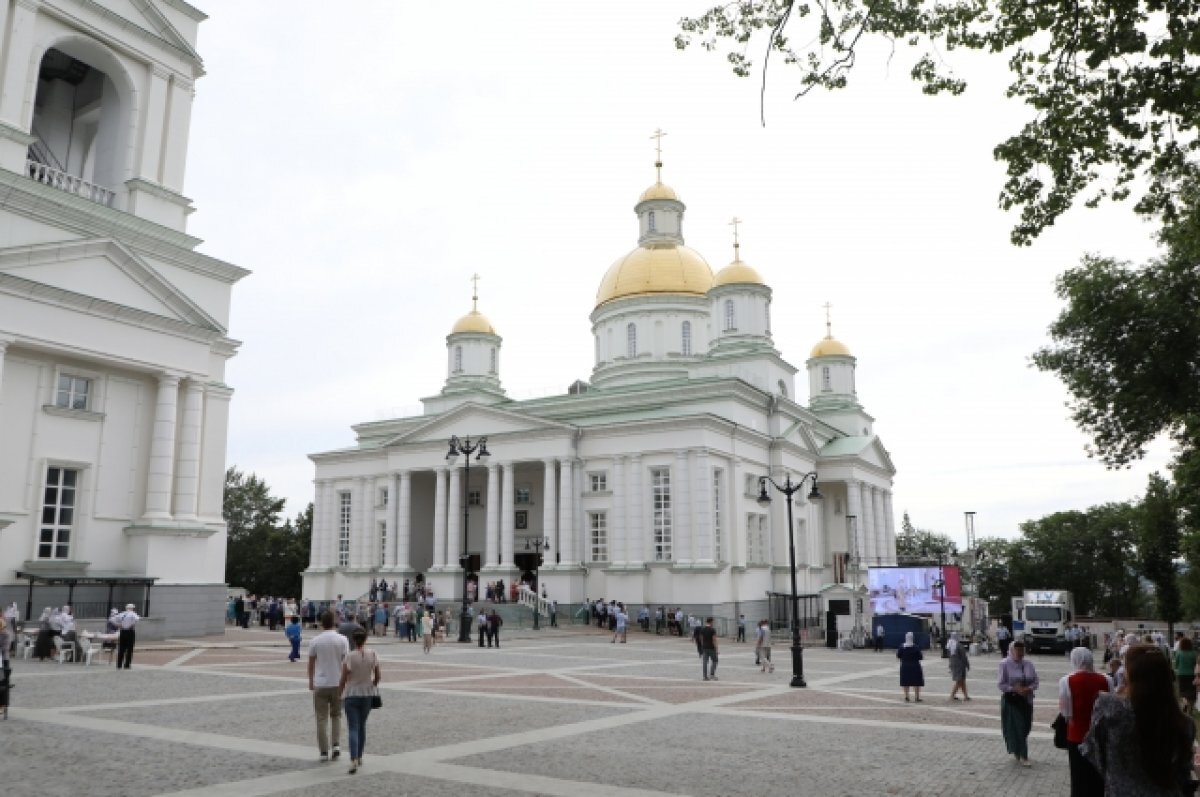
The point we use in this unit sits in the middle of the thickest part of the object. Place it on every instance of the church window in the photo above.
(383, 497)
(382, 544)
(599, 482)
(717, 476)
(598, 533)
(687, 338)
(344, 508)
(783, 388)
(826, 382)
(730, 318)
(73, 392)
(493, 363)
(631, 340)
(767, 310)
(650, 221)
(660, 485)
(523, 494)
(474, 498)
(756, 539)
(458, 359)
(58, 513)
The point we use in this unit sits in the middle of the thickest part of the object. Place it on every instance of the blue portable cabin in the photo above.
(895, 626)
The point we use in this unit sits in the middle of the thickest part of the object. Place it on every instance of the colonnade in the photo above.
(872, 506)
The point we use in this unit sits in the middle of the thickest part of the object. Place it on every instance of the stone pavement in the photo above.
(555, 712)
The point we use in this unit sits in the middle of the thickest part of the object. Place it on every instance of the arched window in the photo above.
(650, 221)
(686, 348)
(826, 384)
(768, 318)
(783, 388)
(457, 359)
(631, 340)
(493, 359)
(730, 319)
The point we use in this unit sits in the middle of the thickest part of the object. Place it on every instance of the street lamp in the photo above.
(855, 562)
(764, 500)
(537, 546)
(940, 584)
(466, 448)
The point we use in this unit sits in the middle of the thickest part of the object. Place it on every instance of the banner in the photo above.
(914, 590)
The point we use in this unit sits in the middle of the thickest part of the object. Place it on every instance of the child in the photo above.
(292, 632)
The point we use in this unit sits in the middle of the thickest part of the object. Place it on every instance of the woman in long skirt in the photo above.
(1017, 681)
(960, 664)
(911, 674)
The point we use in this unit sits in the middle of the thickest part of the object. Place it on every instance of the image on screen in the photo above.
(913, 590)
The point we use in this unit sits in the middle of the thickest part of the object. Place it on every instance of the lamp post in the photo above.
(537, 546)
(941, 587)
(467, 449)
(764, 499)
(855, 562)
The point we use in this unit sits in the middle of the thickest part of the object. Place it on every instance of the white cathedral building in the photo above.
(639, 486)
(113, 344)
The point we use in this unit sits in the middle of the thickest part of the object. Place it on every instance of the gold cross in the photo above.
(828, 322)
(474, 293)
(658, 136)
(734, 224)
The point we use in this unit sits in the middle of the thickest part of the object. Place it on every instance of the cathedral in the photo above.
(641, 485)
(113, 328)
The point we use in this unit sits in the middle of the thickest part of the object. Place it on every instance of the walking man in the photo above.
(708, 647)
(741, 637)
(325, 654)
(125, 622)
(482, 623)
(878, 638)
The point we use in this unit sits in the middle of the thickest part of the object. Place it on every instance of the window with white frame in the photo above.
(383, 497)
(458, 359)
(58, 513)
(598, 534)
(826, 383)
(598, 482)
(344, 507)
(73, 392)
(756, 539)
(686, 333)
(474, 498)
(730, 318)
(718, 474)
(523, 494)
(382, 543)
(660, 491)
(631, 340)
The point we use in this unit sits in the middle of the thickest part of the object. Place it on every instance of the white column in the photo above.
(566, 513)
(454, 529)
(616, 520)
(404, 522)
(867, 524)
(393, 510)
(154, 119)
(187, 476)
(316, 555)
(702, 507)
(855, 507)
(492, 552)
(439, 520)
(14, 95)
(889, 552)
(880, 527)
(638, 540)
(549, 508)
(174, 159)
(162, 450)
(368, 552)
(507, 541)
(683, 534)
(332, 522)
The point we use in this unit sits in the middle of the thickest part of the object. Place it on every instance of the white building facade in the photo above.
(113, 344)
(644, 482)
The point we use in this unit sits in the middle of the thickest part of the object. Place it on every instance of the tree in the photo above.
(1001, 568)
(1159, 544)
(252, 517)
(1111, 83)
(914, 543)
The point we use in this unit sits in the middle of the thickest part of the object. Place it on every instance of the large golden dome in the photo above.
(659, 191)
(660, 268)
(473, 321)
(830, 347)
(737, 273)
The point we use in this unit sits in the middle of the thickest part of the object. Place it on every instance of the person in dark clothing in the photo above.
(239, 612)
(494, 623)
(696, 638)
(707, 639)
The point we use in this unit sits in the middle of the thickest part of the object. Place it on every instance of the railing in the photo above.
(48, 175)
(530, 598)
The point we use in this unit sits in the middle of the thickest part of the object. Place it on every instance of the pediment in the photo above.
(866, 449)
(147, 16)
(103, 269)
(477, 420)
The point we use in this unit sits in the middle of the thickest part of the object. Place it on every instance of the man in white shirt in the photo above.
(66, 620)
(125, 622)
(325, 654)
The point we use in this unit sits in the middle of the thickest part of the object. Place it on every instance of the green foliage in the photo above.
(1111, 85)
(921, 544)
(1159, 546)
(263, 556)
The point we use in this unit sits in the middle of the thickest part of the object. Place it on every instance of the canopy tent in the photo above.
(72, 580)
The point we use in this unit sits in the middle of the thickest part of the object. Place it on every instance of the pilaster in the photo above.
(684, 546)
(187, 478)
(439, 520)
(507, 541)
(162, 450)
(404, 522)
(616, 521)
(549, 508)
(454, 529)
(492, 550)
(567, 533)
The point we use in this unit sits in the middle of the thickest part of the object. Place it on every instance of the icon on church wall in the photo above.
(522, 521)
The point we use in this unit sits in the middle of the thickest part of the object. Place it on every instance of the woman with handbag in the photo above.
(1017, 681)
(359, 690)
(1077, 693)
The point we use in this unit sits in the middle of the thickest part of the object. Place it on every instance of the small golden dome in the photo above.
(737, 273)
(659, 191)
(830, 347)
(473, 321)
(660, 268)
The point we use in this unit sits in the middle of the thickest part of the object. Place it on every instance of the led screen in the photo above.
(914, 590)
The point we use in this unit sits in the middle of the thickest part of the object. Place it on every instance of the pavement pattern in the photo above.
(555, 712)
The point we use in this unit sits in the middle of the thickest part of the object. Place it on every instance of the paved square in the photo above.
(558, 712)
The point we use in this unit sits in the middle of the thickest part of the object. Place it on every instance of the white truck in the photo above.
(1041, 617)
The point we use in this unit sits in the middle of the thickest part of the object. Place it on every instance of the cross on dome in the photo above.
(474, 293)
(736, 246)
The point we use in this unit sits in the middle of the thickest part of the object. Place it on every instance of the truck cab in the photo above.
(1045, 616)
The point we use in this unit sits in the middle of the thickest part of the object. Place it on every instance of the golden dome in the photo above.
(473, 321)
(661, 268)
(659, 191)
(737, 273)
(830, 347)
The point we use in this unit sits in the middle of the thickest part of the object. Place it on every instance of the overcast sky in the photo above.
(364, 159)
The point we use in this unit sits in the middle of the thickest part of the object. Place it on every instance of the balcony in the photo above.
(55, 178)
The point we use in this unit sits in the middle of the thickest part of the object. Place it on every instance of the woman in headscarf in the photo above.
(956, 653)
(1140, 741)
(1077, 692)
(43, 646)
(911, 674)
(1017, 681)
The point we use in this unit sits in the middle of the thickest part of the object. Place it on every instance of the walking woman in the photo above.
(426, 623)
(1018, 681)
(1185, 672)
(1077, 692)
(911, 674)
(762, 646)
(358, 690)
(960, 664)
(1140, 741)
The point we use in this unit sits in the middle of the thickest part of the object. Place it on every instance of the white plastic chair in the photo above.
(65, 650)
(87, 650)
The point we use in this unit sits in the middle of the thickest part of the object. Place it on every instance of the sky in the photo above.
(364, 159)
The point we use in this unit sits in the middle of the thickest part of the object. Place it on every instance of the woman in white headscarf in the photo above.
(1077, 693)
(960, 664)
(911, 674)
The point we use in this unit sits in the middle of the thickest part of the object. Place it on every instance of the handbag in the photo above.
(1060, 732)
(376, 701)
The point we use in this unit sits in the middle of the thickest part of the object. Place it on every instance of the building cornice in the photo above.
(180, 49)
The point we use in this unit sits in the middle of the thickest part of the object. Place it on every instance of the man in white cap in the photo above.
(125, 622)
